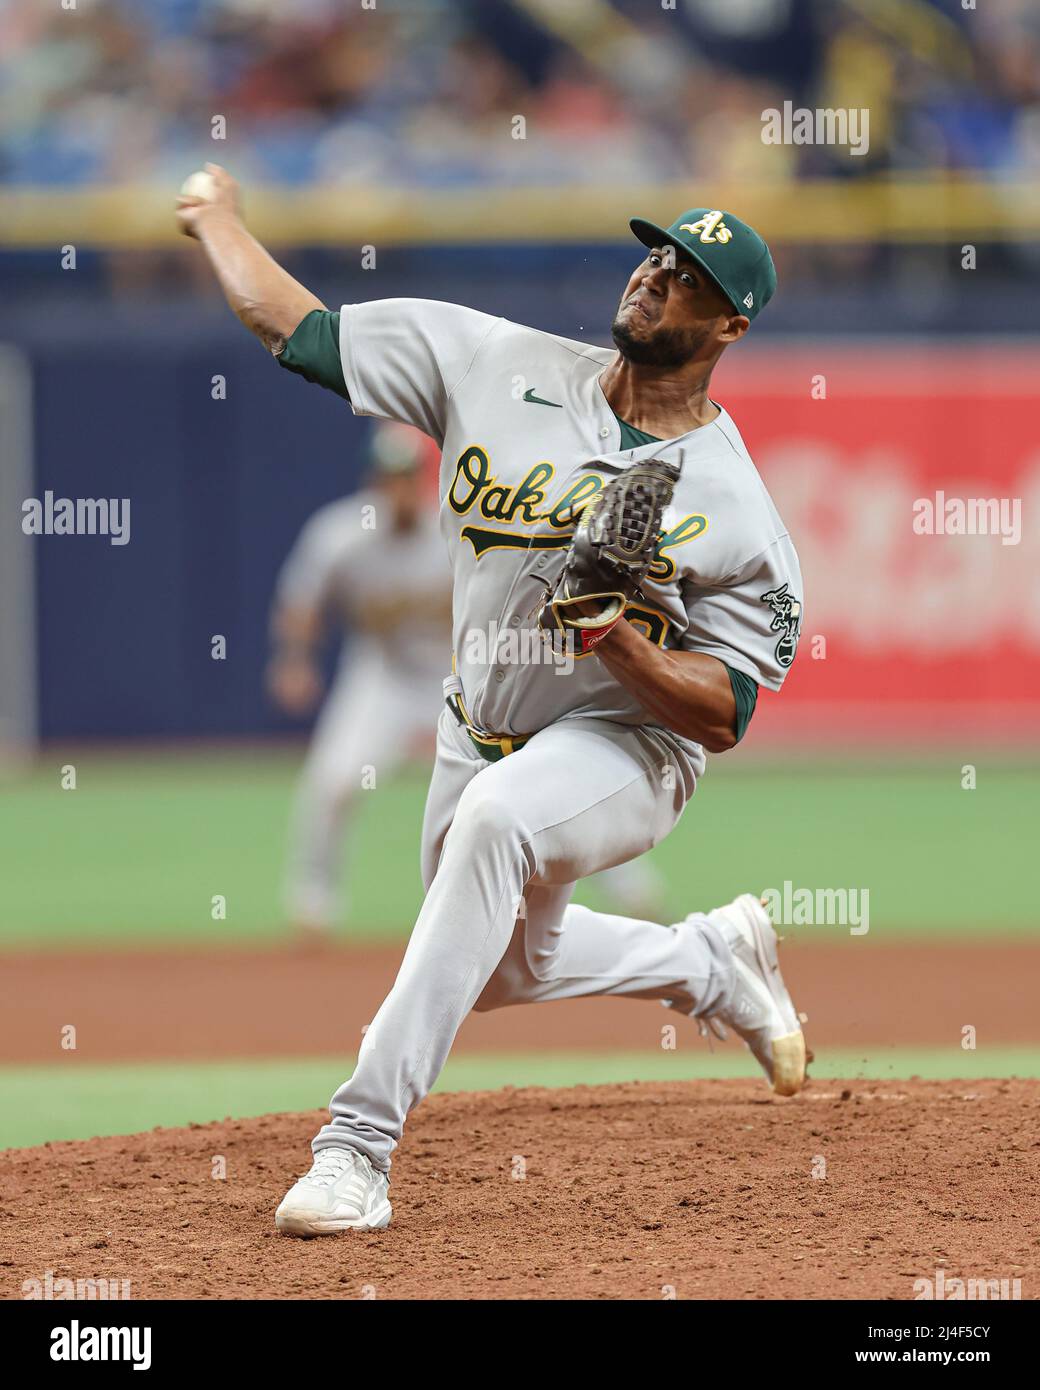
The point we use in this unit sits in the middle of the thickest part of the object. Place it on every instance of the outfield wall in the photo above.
(923, 635)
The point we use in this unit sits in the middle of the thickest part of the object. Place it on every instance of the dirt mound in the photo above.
(693, 1190)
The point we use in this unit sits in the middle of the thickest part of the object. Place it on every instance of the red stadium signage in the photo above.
(910, 481)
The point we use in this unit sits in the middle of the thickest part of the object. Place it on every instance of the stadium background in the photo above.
(393, 128)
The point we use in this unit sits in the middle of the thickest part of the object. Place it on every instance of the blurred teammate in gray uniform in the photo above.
(374, 564)
(543, 778)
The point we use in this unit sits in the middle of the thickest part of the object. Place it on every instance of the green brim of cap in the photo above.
(651, 235)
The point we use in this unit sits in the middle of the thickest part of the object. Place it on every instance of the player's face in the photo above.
(671, 313)
(403, 492)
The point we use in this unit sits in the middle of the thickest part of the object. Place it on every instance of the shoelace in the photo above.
(708, 1026)
(330, 1166)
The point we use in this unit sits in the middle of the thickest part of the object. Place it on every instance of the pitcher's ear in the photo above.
(736, 326)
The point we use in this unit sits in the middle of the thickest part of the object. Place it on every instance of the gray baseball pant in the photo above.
(372, 718)
(503, 844)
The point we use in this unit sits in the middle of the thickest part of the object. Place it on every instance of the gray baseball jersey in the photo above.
(528, 436)
(390, 588)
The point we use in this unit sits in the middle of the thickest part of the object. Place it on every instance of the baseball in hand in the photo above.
(200, 185)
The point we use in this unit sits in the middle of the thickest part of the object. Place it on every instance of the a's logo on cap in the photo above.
(710, 227)
(749, 299)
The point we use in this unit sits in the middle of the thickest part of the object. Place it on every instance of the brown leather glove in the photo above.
(609, 556)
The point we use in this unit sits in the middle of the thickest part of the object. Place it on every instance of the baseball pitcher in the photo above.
(595, 503)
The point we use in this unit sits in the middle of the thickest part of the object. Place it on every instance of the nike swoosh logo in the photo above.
(532, 399)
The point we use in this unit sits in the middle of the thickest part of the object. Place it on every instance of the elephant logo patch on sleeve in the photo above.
(787, 615)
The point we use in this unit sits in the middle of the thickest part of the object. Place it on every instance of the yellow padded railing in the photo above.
(931, 208)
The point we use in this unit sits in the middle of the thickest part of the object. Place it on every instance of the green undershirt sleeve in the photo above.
(313, 351)
(745, 692)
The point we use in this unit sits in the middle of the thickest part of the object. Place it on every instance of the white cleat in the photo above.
(760, 1009)
(342, 1192)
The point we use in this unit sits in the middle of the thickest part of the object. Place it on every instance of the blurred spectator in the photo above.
(426, 94)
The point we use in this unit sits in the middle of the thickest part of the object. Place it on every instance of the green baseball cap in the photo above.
(728, 250)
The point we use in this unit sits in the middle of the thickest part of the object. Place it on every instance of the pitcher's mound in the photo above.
(704, 1189)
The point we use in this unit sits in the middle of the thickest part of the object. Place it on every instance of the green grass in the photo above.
(137, 852)
(38, 1104)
